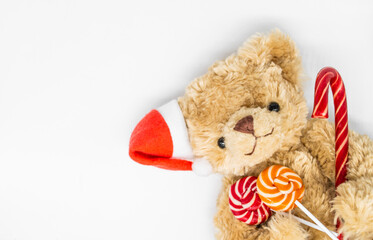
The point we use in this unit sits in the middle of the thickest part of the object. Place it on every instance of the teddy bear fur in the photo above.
(267, 68)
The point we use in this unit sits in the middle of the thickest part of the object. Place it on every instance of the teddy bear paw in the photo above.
(354, 206)
(283, 226)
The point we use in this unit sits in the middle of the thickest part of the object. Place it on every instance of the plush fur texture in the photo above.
(267, 68)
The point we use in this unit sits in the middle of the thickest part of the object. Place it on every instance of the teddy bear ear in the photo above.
(277, 48)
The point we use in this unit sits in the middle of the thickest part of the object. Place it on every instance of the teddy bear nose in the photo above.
(245, 125)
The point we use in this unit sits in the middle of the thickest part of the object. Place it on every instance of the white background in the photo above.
(76, 77)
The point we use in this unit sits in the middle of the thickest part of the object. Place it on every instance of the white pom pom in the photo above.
(201, 167)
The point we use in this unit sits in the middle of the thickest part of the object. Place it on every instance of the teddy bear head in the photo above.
(247, 107)
(237, 115)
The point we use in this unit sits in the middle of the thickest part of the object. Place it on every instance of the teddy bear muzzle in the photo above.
(246, 125)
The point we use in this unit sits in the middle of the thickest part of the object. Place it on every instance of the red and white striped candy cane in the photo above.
(329, 76)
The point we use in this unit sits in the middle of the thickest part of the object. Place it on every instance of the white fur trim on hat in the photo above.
(182, 149)
(174, 118)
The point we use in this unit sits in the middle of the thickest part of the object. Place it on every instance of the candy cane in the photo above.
(329, 76)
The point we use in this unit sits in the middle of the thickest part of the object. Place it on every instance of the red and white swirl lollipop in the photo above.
(245, 202)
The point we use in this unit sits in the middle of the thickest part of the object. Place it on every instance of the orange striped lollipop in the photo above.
(279, 187)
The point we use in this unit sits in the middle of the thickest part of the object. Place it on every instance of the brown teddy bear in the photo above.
(247, 113)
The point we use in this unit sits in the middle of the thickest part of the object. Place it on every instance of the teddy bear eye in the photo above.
(221, 142)
(274, 106)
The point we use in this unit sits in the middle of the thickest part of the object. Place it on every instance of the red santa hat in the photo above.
(161, 139)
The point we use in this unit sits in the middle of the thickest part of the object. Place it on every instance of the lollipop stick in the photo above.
(310, 215)
(312, 225)
(307, 223)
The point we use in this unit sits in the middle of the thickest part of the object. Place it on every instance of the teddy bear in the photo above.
(246, 113)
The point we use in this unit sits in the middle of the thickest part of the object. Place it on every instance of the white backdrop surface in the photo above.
(76, 77)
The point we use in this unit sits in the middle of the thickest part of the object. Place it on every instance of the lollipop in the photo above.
(245, 203)
(280, 188)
